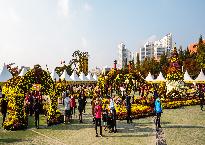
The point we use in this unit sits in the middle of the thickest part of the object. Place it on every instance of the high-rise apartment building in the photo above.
(157, 48)
(124, 55)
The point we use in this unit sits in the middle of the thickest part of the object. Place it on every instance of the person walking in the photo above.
(36, 108)
(158, 111)
(128, 106)
(84, 102)
(98, 113)
(72, 105)
(67, 109)
(80, 108)
(201, 97)
(113, 111)
(4, 105)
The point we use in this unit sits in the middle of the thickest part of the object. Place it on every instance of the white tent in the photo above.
(200, 78)
(5, 74)
(149, 77)
(65, 76)
(83, 77)
(23, 72)
(187, 77)
(90, 78)
(55, 76)
(160, 78)
(75, 77)
(95, 77)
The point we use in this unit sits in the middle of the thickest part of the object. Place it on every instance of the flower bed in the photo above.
(176, 103)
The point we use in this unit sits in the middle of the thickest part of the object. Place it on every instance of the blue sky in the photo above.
(48, 31)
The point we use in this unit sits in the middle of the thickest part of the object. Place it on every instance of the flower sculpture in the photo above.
(15, 89)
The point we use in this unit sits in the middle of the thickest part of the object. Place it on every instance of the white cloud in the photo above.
(151, 38)
(63, 7)
(87, 7)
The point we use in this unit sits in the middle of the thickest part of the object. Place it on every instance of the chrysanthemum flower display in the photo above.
(15, 89)
(174, 71)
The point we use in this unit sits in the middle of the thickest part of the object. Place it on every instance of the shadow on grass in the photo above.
(131, 135)
(183, 126)
(10, 140)
(74, 125)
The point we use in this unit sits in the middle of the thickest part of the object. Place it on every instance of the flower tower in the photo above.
(174, 73)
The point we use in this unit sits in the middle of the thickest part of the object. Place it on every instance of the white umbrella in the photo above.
(23, 72)
(83, 77)
(75, 77)
(160, 78)
(55, 76)
(90, 78)
(95, 77)
(65, 76)
(149, 77)
(200, 78)
(5, 74)
(187, 77)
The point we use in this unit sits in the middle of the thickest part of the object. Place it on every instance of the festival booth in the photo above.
(159, 79)
(23, 72)
(95, 77)
(74, 77)
(5, 74)
(187, 78)
(83, 78)
(200, 78)
(55, 76)
(90, 78)
(149, 78)
(65, 76)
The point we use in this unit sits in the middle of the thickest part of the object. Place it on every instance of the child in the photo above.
(110, 122)
(104, 117)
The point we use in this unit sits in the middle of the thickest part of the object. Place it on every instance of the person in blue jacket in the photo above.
(158, 111)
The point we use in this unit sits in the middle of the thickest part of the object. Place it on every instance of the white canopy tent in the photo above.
(5, 74)
(95, 77)
(160, 78)
(200, 78)
(55, 76)
(90, 78)
(149, 77)
(65, 76)
(23, 72)
(83, 77)
(75, 77)
(187, 77)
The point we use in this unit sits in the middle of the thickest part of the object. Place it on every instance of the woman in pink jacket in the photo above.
(98, 113)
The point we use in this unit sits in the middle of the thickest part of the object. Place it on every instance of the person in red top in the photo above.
(98, 113)
(72, 105)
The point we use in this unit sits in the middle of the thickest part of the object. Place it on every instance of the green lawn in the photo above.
(181, 126)
(185, 126)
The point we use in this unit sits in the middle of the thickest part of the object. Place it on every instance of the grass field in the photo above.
(185, 126)
(181, 126)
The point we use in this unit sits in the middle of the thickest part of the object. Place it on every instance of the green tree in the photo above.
(138, 62)
(201, 53)
(68, 68)
(163, 64)
(154, 67)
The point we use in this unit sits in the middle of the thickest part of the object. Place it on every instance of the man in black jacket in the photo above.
(36, 109)
(201, 97)
(128, 106)
(4, 105)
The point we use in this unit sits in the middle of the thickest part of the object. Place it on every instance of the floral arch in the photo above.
(15, 90)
